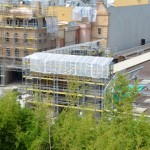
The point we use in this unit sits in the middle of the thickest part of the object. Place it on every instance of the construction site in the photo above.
(70, 76)
(74, 76)
(25, 28)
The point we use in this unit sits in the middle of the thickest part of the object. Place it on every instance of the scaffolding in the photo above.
(62, 78)
(93, 48)
(67, 80)
(26, 27)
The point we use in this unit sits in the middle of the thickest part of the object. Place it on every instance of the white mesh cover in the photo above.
(87, 66)
(52, 24)
(79, 12)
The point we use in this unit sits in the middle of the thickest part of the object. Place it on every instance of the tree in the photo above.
(22, 128)
(73, 131)
(116, 129)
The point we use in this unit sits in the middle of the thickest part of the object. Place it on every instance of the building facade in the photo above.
(63, 13)
(23, 34)
(128, 27)
(100, 26)
(120, 3)
(24, 29)
(68, 33)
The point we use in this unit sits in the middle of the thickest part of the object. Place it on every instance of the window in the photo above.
(33, 23)
(25, 22)
(7, 37)
(7, 52)
(25, 38)
(16, 37)
(9, 22)
(20, 22)
(99, 30)
(17, 22)
(40, 35)
(25, 52)
(7, 34)
(44, 22)
(16, 52)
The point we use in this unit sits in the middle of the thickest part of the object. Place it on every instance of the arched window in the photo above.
(16, 52)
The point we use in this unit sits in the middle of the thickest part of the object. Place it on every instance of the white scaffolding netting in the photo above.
(81, 12)
(52, 24)
(86, 66)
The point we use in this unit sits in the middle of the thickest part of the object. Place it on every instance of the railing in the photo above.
(134, 50)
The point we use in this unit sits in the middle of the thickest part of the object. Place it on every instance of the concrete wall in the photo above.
(119, 3)
(128, 25)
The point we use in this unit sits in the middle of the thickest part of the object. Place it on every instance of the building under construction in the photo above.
(72, 76)
(25, 28)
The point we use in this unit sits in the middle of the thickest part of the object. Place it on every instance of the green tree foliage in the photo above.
(116, 129)
(21, 128)
(73, 131)
(119, 95)
(74, 89)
